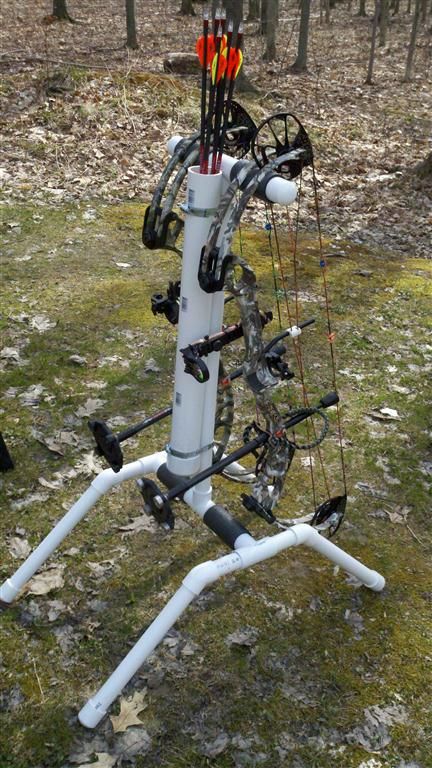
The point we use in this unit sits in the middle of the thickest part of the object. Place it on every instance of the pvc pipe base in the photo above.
(91, 714)
(378, 583)
(8, 593)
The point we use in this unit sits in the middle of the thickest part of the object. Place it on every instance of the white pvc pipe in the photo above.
(193, 584)
(195, 321)
(106, 480)
(96, 708)
(278, 189)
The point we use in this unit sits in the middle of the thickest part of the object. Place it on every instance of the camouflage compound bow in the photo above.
(280, 144)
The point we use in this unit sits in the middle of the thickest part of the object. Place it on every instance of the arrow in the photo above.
(217, 70)
(203, 54)
(220, 98)
(234, 63)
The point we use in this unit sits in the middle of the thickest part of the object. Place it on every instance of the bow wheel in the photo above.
(278, 135)
(239, 132)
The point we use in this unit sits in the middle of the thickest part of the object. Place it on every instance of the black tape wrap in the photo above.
(219, 520)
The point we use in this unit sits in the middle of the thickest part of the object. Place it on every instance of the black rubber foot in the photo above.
(5, 457)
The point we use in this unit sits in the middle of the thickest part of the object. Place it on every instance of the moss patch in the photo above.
(321, 653)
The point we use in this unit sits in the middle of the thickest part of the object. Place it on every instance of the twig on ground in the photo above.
(38, 680)
(414, 535)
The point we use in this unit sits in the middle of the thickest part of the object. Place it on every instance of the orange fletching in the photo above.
(211, 48)
(235, 60)
(219, 66)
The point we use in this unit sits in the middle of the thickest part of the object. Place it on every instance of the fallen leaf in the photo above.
(151, 366)
(10, 353)
(19, 548)
(32, 498)
(102, 568)
(141, 523)
(104, 760)
(51, 443)
(90, 406)
(42, 323)
(216, 747)
(89, 464)
(129, 710)
(77, 359)
(399, 515)
(32, 395)
(45, 582)
(244, 637)
(385, 414)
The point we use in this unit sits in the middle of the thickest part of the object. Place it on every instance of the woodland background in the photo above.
(287, 665)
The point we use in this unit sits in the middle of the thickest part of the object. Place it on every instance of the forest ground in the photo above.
(288, 666)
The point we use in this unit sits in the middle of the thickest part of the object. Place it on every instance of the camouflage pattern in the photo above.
(185, 156)
(224, 414)
(240, 281)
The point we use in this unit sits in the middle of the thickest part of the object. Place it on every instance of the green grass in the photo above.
(296, 604)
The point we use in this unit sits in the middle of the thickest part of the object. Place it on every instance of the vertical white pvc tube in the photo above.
(195, 318)
(210, 400)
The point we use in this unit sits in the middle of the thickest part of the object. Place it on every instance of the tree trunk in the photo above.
(300, 64)
(254, 10)
(272, 20)
(424, 169)
(362, 8)
(131, 35)
(186, 8)
(60, 11)
(383, 22)
(263, 21)
(234, 11)
(368, 80)
(412, 42)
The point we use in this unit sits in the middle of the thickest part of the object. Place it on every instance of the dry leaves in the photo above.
(141, 523)
(104, 760)
(42, 323)
(129, 711)
(45, 582)
(385, 414)
(19, 548)
(90, 406)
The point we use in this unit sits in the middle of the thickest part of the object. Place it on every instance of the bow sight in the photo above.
(219, 186)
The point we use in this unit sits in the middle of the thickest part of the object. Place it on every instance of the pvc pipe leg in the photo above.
(96, 708)
(11, 587)
(193, 584)
(100, 485)
(371, 579)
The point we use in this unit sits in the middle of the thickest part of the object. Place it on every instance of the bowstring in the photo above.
(294, 240)
(293, 236)
(330, 332)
